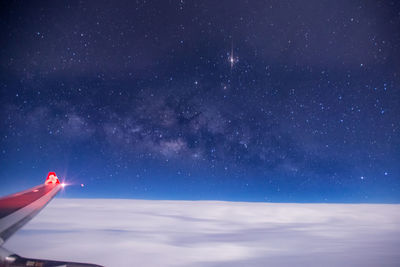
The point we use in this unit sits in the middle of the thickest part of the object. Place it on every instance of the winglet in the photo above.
(52, 178)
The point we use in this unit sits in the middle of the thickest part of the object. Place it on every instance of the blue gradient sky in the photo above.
(268, 101)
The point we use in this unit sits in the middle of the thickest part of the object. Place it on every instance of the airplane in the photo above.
(19, 208)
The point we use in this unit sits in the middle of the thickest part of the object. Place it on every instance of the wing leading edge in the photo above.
(18, 209)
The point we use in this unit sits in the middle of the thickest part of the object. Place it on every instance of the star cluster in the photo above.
(264, 101)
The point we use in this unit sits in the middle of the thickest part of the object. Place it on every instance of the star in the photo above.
(232, 59)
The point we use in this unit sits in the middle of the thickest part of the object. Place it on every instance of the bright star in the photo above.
(232, 59)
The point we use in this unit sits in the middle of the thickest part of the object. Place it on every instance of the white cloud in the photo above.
(210, 233)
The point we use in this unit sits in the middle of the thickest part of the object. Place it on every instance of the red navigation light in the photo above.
(52, 178)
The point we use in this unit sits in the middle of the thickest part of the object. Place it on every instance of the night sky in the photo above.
(282, 101)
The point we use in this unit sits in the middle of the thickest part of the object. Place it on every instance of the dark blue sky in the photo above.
(287, 101)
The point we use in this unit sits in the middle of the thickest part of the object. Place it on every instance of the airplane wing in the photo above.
(16, 210)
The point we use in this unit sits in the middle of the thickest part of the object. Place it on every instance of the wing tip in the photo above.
(52, 178)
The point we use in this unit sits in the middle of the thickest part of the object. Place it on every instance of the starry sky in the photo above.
(283, 101)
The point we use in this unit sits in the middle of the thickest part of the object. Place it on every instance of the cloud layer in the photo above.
(209, 233)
